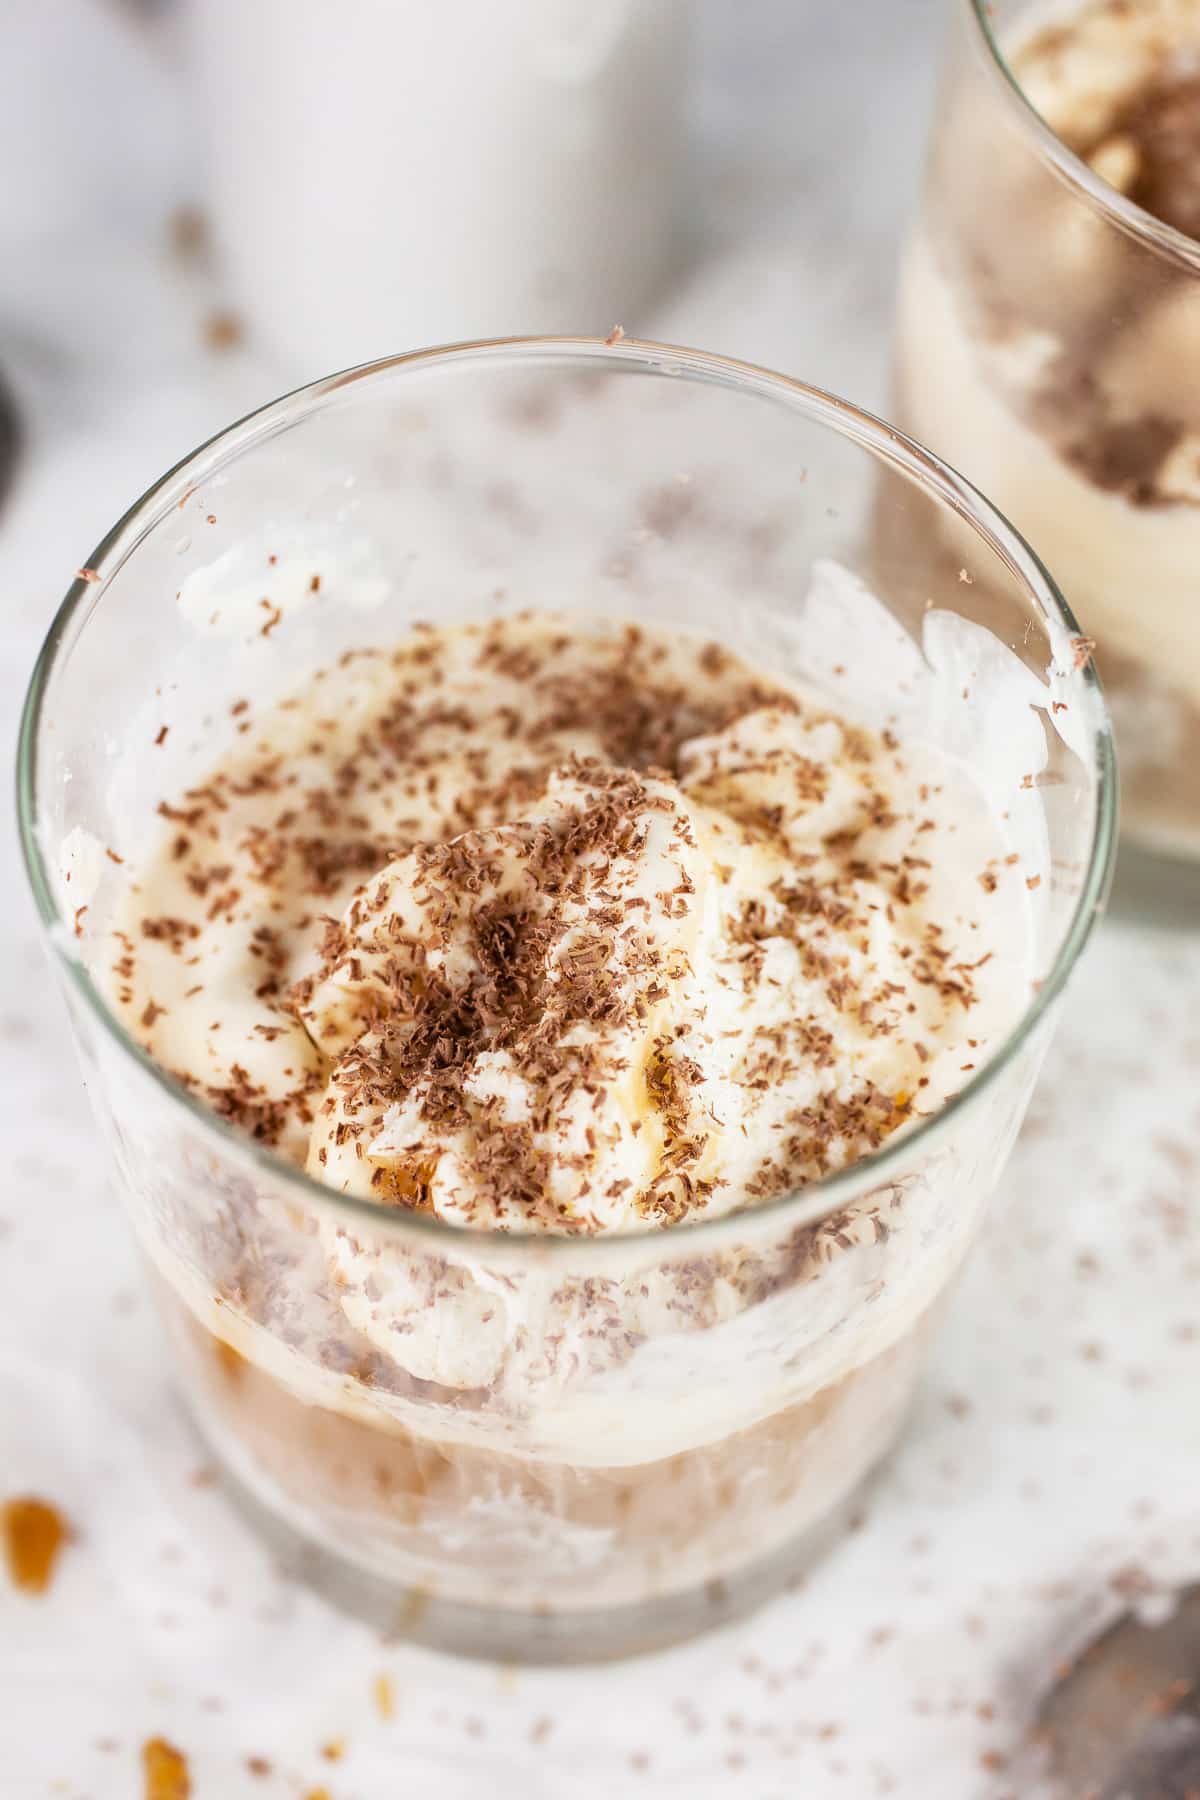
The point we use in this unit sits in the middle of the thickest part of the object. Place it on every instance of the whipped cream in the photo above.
(544, 928)
(609, 1013)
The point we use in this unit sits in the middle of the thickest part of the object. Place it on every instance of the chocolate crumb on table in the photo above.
(165, 1771)
(223, 330)
(34, 1533)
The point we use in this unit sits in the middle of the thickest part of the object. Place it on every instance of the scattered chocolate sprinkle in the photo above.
(164, 1771)
(173, 932)
(223, 330)
(187, 232)
(34, 1533)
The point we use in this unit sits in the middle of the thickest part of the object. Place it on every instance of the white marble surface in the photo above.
(1057, 1445)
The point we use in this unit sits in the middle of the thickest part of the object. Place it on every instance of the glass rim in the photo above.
(802, 1206)
(1125, 213)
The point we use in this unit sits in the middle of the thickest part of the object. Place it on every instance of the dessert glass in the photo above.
(569, 1511)
(1049, 346)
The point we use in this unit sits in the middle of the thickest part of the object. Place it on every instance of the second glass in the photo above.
(1049, 345)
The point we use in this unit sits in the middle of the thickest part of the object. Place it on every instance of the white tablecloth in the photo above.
(1057, 1446)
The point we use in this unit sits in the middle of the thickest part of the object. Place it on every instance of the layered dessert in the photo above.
(557, 955)
(1050, 348)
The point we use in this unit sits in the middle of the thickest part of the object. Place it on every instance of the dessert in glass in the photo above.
(561, 931)
(1049, 341)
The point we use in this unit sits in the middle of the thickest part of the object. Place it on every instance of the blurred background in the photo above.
(207, 202)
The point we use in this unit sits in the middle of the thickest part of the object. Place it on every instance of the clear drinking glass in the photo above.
(757, 1365)
(1049, 345)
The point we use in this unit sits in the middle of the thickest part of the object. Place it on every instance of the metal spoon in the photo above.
(1123, 1720)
